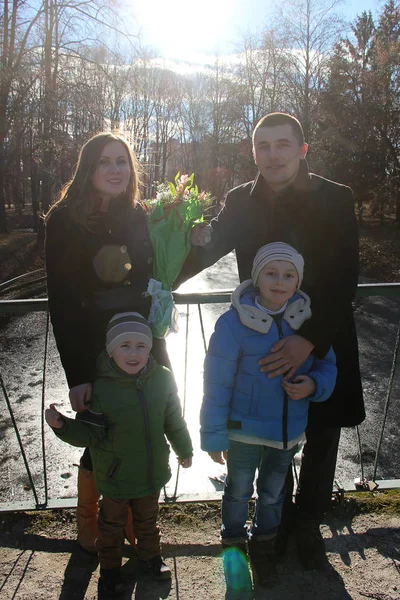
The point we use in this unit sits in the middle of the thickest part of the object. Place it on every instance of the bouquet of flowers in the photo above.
(171, 216)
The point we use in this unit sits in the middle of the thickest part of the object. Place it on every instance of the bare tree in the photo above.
(261, 79)
(16, 43)
(311, 29)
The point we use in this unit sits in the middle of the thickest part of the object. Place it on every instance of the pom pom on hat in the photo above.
(277, 251)
(127, 326)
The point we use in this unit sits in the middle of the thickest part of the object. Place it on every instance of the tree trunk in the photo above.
(398, 205)
(48, 104)
(3, 214)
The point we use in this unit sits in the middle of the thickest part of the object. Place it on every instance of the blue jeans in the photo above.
(243, 461)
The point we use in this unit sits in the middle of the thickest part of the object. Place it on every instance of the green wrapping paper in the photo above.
(170, 220)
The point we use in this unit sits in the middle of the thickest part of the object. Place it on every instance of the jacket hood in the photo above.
(106, 367)
(297, 311)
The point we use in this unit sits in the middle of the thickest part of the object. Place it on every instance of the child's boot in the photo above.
(236, 568)
(128, 530)
(263, 560)
(86, 512)
(155, 568)
(237, 543)
(111, 583)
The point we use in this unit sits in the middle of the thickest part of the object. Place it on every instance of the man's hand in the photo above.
(219, 457)
(200, 234)
(53, 417)
(79, 396)
(286, 356)
(301, 387)
(185, 462)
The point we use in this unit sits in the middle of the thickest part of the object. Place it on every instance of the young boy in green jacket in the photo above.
(134, 407)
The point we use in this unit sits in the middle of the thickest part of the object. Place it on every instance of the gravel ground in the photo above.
(41, 560)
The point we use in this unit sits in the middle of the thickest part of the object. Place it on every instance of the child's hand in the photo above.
(301, 387)
(53, 417)
(219, 457)
(185, 462)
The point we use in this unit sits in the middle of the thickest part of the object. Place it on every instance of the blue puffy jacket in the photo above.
(237, 395)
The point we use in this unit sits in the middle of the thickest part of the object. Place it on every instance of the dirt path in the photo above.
(41, 560)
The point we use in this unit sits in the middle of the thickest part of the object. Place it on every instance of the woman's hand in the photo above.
(80, 396)
(53, 417)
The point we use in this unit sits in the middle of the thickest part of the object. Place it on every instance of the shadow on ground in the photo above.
(41, 560)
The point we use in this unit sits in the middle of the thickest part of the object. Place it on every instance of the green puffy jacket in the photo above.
(125, 429)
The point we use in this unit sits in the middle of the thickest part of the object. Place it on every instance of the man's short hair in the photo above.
(279, 118)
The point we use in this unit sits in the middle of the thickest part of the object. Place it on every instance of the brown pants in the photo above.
(112, 520)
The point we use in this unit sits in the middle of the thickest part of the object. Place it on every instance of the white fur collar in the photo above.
(295, 314)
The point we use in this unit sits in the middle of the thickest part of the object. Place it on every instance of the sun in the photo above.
(179, 29)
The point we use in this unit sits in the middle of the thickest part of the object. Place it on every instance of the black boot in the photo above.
(155, 568)
(310, 545)
(263, 560)
(111, 582)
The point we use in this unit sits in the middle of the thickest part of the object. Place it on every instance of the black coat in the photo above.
(91, 275)
(315, 216)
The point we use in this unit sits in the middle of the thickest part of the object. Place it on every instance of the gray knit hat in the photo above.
(277, 251)
(127, 326)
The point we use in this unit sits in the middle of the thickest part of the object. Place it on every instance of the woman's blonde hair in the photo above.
(78, 193)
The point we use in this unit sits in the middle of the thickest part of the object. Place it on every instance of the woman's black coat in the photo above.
(91, 275)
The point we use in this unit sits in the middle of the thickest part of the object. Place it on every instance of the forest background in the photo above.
(70, 68)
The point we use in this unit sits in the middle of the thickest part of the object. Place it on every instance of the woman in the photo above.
(98, 261)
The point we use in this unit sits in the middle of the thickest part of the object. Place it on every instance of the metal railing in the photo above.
(220, 296)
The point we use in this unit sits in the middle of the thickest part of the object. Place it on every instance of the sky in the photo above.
(186, 30)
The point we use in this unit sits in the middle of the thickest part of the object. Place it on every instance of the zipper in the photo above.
(285, 400)
(147, 435)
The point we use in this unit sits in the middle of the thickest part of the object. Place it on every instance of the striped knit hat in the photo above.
(277, 251)
(127, 326)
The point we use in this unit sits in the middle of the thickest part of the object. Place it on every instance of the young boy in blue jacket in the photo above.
(249, 420)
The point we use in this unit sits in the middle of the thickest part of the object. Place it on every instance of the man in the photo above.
(316, 216)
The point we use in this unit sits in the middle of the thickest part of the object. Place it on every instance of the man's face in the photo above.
(277, 154)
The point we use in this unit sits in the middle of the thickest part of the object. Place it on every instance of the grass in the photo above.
(195, 514)
(385, 502)
(19, 253)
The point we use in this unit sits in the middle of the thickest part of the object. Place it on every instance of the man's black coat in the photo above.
(315, 216)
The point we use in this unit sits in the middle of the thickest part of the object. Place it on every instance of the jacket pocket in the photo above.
(241, 403)
(242, 399)
(255, 398)
(113, 469)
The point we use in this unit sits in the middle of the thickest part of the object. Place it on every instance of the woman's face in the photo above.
(113, 171)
